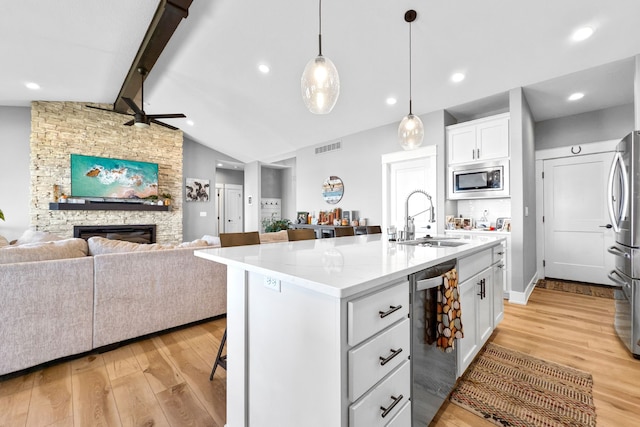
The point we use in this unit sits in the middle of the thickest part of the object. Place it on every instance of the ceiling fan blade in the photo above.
(163, 124)
(130, 122)
(166, 116)
(132, 105)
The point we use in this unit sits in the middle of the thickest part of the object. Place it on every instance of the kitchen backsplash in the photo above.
(496, 208)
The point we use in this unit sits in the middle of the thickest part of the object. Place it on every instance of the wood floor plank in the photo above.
(137, 404)
(93, 401)
(51, 396)
(14, 385)
(14, 408)
(120, 362)
(196, 371)
(86, 363)
(183, 408)
(159, 371)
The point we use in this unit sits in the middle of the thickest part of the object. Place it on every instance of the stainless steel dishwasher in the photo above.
(433, 372)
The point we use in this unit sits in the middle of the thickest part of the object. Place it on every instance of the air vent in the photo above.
(329, 147)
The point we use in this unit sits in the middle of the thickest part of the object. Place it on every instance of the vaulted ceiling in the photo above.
(83, 50)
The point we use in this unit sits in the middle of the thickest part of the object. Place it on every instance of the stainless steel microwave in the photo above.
(479, 180)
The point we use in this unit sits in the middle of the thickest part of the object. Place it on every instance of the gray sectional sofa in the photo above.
(68, 297)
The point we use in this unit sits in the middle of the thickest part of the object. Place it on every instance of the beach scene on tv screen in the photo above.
(102, 177)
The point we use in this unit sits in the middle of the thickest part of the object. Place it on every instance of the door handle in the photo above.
(606, 226)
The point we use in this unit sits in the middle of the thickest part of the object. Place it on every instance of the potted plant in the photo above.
(271, 224)
(167, 199)
(1, 215)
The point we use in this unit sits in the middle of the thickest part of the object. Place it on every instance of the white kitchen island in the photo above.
(310, 323)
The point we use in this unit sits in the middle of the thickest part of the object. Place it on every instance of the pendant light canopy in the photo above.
(411, 130)
(320, 82)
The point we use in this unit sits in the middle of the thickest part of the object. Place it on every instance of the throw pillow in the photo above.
(211, 240)
(42, 251)
(3, 242)
(35, 236)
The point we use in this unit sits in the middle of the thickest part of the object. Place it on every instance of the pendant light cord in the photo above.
(320, 27)
(410, 66)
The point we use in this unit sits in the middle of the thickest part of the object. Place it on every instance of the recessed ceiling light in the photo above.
(391, 101)
(264, 68)
(582, 34)
(32, 85)
(457, 77)
(190, 122)
(576, 96)
(219, 165)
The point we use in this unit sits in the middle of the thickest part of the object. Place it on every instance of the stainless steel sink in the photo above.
(434, 242)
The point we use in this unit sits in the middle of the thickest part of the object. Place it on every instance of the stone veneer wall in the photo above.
(59, 129)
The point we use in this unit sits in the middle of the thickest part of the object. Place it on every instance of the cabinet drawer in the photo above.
(372, 313)
(394, 390)
(472, 265)
(365, 365)
(498, 253)
(403, 418)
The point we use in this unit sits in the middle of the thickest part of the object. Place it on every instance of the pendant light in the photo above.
(320, 82)
(410, 131)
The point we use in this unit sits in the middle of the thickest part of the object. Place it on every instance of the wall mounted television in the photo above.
(106, 178)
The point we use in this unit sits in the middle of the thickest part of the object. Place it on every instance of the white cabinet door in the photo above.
(461, 144)
(467, 346)
(492, 139)
(484, 304)
(478, 140)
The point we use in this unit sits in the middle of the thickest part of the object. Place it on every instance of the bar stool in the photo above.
(300, 234)
(374, 229)
(228, 240)
(344, 231)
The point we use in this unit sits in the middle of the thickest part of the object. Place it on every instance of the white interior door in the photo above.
(233, 218)
(575, 216)
(405, 177)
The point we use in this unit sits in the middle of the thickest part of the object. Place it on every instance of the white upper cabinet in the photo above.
(478, 140)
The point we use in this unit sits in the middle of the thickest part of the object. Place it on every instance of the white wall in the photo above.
(15, 181)
(593, 126)
(199, 162)
(358, 164)
(523, 196)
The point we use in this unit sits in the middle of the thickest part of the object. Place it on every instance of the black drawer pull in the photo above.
(385, 411)
(392, 309)
(500, 253)
(394, 353)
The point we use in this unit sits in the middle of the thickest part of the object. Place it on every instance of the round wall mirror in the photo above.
(332, 190)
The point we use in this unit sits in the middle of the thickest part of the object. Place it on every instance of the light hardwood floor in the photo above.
(164, 381)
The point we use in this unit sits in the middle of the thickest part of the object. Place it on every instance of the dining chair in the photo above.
(239, 239)
(228, 240)
(300, 234)
(374, 229)
(343, 231)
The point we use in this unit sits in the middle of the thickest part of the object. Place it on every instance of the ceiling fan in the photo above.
(140, 118)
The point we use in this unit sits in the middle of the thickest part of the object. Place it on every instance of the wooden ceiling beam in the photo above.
(164, 23)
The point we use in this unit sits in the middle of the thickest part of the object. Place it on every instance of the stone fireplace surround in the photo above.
(59, 129)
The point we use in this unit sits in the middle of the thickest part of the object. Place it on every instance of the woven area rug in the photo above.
(510, 388)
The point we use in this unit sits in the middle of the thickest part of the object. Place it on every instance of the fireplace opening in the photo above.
(129, 233)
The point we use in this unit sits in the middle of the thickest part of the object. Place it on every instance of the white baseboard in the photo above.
(522, 297)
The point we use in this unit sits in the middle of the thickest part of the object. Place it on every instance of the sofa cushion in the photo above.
(100, 245)
(35, 236)
(59, 249)
(273, 237)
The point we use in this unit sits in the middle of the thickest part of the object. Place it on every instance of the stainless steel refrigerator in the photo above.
(624, 211)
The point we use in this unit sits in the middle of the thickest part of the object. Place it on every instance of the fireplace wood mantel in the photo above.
(107, 206)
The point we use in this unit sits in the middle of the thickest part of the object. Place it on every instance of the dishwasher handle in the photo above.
(423, 284)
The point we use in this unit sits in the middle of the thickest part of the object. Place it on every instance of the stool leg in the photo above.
(220, 360)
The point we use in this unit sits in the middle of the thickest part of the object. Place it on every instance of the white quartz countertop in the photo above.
(343, 266)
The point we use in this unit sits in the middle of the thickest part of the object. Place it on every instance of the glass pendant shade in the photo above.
(410, 132)
(320, 85)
